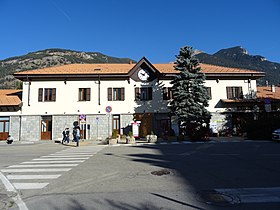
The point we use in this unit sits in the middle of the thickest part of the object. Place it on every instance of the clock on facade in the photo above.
(143, 75)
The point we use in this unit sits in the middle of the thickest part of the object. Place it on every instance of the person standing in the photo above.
(78, 134)
(65, 134)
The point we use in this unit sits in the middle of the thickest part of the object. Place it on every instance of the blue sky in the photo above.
(155, 29)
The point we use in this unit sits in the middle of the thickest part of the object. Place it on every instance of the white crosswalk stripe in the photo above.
(65, 156)
(54, 161)
(46, 176)
(62, 158)
(26, 175)
(42, 165)
(28, 186)
(35, 170)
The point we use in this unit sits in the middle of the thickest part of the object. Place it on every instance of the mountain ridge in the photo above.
(47, 58)
(239, 57)
(236, 57)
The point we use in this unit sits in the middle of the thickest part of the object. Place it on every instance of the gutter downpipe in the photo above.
(99, 89)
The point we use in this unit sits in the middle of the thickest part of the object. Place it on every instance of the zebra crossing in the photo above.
(37, 173)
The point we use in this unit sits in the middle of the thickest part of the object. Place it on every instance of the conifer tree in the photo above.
(190, 96)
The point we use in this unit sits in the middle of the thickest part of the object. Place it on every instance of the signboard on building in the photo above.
(135, 128)
(83, 118)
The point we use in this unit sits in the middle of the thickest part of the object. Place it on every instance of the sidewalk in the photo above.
(121, 141)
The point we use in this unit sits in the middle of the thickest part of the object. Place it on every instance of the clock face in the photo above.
(143, 75)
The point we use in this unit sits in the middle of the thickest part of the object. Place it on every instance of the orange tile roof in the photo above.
(206, 68)
(266, 92)
(83, 69)
(124, 69)
(6, 99)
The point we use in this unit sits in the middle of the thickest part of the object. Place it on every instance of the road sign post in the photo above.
(108, 109)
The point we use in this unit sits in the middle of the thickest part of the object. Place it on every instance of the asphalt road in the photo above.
(228, 175)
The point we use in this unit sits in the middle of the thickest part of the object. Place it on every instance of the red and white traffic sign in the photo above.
(108, 109)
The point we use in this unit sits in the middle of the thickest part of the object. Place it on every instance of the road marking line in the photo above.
(61, 158)
(254, 195)
(10, 187)
(52, 176)
(65, 156)
(7, 184)
(29, 186)
(36, 170)
(54, 161)
(42, 165)
(72, 153)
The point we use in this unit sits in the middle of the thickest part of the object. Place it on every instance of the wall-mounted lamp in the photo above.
(217, 80)
(78, 110)
(65, 81)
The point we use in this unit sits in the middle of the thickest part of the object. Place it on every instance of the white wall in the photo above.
(67, 97)
(218, 90)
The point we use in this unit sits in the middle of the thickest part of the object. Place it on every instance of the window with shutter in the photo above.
(46, 94)
(234, 92)
(84, 94)
(143, 93)
(167, 93)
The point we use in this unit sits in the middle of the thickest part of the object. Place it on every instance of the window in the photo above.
(167, 93)
(84, 94)
(208, 89)
(47, 94)
(143, 94)
(115, 94)
(234, 93)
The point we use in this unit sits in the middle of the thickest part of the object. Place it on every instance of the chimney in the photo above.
(130, 61)
(273, 88)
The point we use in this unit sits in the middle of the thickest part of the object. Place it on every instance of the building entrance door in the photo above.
(46, 127)
(4, 127)
(116, 123)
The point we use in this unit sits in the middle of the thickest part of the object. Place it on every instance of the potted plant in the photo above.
(129, 138)
(113, 139)
(152, 138)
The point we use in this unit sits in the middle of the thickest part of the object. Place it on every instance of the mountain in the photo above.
(47, 58)
(239, 57)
